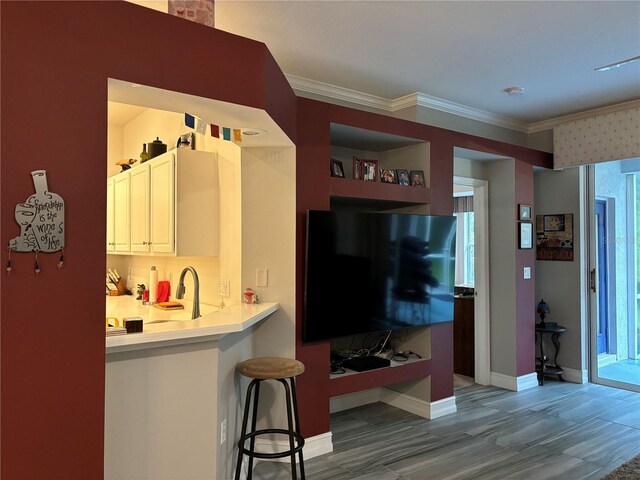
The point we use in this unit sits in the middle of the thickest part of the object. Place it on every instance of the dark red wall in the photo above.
(525, 289)
(55, 61)
(56, 58)
(313, 192)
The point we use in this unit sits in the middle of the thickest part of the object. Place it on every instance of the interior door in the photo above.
(602, 285)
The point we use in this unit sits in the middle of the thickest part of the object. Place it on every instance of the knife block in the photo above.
(122, 289)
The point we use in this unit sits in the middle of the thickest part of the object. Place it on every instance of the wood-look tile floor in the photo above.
(561, 431)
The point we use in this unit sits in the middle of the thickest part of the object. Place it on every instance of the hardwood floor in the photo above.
(559, 431)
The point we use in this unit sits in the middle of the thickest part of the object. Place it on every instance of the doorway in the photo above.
(614, 200)
(473, 277)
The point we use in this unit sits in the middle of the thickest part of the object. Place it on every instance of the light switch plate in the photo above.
(527, 273)
(262, 277)
(223, 288)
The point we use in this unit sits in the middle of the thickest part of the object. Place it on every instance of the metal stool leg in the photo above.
(297, 418)
(291, 430)
(245, 418)
(252, 442)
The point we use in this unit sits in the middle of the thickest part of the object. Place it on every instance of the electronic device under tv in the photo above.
(370, 272)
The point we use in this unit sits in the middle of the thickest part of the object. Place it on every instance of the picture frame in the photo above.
(337, 169)
(388, 176)
(402, 176)
(416, 178)
(370, 170)
(525, 235)
(357, 168)
(525, 212)
(554, 237)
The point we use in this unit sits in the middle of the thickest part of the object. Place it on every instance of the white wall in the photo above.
(149, 125)
(559, 283)
(169, 268)
(269, 241)
(502, 250)
(115, 148)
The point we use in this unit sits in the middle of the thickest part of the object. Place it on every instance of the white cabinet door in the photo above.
(121, 231)
(162, 203)
(140, 209)
(110, 218)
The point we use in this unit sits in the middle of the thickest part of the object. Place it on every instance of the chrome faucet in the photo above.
(196, 294)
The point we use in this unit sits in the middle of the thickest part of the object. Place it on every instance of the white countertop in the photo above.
(178, 327)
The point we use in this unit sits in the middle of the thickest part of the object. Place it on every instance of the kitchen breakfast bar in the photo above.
(172, 395)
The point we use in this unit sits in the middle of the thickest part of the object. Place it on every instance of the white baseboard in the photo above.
(405, 402)
(575, 376)
(353, 400)
(422, 408)
(515, 384)
(313, 447)
(442, 407)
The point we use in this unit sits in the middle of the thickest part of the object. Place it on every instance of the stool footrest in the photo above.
(287, 453)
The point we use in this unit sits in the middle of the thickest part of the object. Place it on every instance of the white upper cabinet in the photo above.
(140, 209)
(111, 244)
(122, 223)
(173, 205)
(163, 203)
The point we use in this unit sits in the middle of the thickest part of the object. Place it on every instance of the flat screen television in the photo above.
(369, 272)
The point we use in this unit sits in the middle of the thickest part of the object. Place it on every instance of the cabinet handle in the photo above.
(144, 242)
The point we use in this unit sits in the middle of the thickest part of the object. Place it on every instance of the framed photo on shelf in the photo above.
(524, 213)
(403, 177)
(388, 176)
(357, 168)
(417, 178)
(337, 170)
(525, 235)
(370, 170)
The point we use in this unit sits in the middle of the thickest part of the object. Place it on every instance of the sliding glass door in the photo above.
(615, 273)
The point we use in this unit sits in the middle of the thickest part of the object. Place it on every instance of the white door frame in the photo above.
(482, 331)
(589, 258)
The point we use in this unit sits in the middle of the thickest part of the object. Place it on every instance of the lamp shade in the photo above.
(543, 307)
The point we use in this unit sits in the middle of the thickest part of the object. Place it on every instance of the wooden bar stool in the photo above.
(280, 369)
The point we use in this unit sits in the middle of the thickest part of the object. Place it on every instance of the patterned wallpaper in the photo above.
(612, 136)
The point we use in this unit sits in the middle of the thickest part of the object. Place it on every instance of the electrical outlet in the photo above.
(223, 288)
(262, 277)
(223, 431)
(526, 273)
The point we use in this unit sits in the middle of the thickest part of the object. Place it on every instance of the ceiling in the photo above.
(467, 53)
(128, 100)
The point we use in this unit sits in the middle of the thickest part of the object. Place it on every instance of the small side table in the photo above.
(542, 368)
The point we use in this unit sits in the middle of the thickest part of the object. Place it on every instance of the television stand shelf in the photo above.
(351, 382)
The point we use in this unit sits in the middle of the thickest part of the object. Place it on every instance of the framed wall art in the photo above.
(525, 236)
(554, 237)
(524, 213)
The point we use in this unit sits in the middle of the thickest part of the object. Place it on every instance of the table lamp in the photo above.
(543, 309)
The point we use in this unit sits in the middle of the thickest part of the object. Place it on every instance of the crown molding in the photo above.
(435, 103)
(304, 85)
(553, 122)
